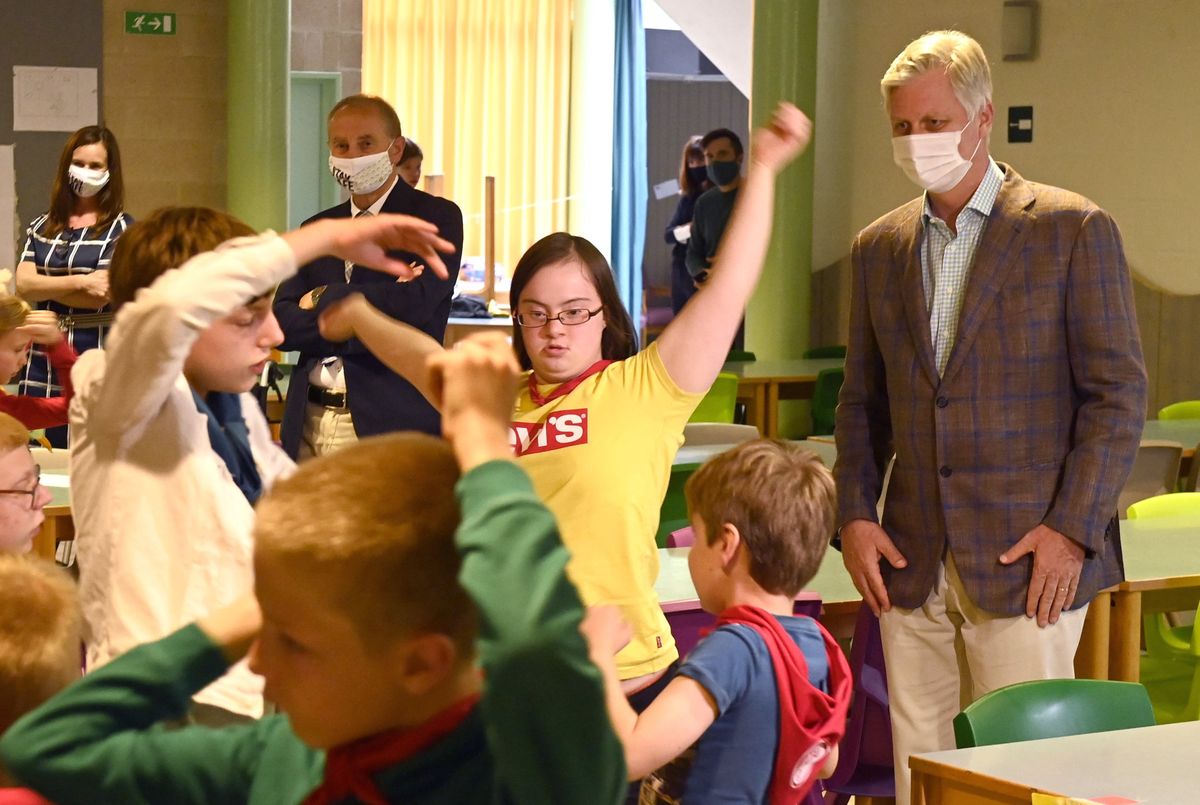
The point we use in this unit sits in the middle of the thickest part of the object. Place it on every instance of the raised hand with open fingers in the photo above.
(782, 139)
(366, 241)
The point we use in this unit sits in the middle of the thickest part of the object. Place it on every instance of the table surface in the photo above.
(784, 369)
(674, 585)
(1184, 431)
(1150, 764)
(1160, 551)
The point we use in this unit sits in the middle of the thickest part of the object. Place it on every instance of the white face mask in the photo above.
(85, 181)
(932, 161)
(364, 174)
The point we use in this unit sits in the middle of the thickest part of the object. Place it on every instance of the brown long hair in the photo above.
(111, 198)
(692, 149)
(619, 340)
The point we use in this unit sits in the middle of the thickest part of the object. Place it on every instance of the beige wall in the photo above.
(327, 36)
(1106, 124)
(165, 98)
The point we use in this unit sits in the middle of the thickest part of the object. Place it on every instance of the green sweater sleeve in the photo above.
(97, 741)
(543, 699)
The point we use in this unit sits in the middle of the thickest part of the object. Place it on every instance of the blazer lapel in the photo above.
(1007, 229)
(916, 309)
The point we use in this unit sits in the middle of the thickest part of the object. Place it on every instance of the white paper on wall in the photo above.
(54, 98)
(8, 213)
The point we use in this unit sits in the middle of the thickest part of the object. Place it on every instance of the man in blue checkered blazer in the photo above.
(994, 350)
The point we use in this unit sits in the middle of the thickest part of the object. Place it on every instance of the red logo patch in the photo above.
(561, 429)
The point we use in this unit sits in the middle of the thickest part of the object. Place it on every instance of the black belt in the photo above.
(327, 398)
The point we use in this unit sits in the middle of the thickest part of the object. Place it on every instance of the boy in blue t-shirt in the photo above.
(764, 696)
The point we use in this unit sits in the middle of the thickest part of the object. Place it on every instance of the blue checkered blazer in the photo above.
(1039, 412)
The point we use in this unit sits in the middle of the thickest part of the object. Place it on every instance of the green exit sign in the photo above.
(150, 22)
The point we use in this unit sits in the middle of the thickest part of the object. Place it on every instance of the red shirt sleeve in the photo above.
(45, 412)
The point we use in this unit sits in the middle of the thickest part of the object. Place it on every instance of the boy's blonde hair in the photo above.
(163, 240)
(13, 310)
(953, 51)
(12, 434)
(781, 499)
(377, 521)
(40, 634)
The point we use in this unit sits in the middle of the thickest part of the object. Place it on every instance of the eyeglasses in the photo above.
(37, 484)
(572, 317)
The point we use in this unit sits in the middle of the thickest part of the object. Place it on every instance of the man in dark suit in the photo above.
(994, 349)
(339, 391)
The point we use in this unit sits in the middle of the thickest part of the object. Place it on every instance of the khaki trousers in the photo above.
(947, 653)
(325, 430)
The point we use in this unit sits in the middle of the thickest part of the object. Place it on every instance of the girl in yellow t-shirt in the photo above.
(596, 424)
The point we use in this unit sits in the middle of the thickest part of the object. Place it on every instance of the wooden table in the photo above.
(1153, 765)
(839, 599)
(762, 384)
(58, 525)
(1162, 574)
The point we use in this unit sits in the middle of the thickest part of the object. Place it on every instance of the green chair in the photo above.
(1052, 708)
(1170, 505)
(1188, 409)
(825, 400)
(718, 404)
(831, 351)
(740, 356)
(673, 514)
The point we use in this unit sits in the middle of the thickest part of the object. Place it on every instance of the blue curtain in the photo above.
(630, 176)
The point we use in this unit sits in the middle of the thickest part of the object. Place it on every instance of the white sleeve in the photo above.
(153, 333)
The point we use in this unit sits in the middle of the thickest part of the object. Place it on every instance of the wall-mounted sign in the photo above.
(161, 23)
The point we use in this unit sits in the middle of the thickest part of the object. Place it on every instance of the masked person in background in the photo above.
(64, 265)
(995, 351)
(339, 391)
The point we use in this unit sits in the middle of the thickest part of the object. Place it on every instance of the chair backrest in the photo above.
(1155, 472)
(51, 460)
(1170, 505)
(830, 351)
(704, 433)
(718, 404)
(1192, 484)
(740, 356)
(1051, 708)
(673, 514)
(1188, 409)
(825, 400)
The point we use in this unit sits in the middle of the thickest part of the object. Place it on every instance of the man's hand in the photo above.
(366, 241)
(1057, 563)
(337, 321)
(863, 544)
(41, 327)
(474, 386)
(780, 141)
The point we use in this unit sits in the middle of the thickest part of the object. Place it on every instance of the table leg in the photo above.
(1125, 648)
(772, 408)
(1091, 658)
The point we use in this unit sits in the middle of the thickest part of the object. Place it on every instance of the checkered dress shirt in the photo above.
(946, 260)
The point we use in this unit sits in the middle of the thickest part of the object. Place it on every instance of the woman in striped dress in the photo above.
(64, 266)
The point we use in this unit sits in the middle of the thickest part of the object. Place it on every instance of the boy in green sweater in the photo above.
(364, 629)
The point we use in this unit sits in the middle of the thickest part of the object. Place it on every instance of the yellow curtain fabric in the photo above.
(483, 87)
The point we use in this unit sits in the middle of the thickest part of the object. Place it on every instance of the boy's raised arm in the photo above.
(543, 700)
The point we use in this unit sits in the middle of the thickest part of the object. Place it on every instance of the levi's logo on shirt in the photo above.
(561, 429)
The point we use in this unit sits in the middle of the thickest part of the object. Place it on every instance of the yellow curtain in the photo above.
(483, 87)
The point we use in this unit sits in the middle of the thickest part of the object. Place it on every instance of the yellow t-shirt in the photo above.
(600, 457)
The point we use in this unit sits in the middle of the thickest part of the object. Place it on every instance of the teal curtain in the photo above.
(630, 176)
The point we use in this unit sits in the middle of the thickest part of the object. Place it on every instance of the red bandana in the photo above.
(811, 722)
(565, 388)
(348, 768)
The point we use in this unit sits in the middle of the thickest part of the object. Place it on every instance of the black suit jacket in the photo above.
(380, 400)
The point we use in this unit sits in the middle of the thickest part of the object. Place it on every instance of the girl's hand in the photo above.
(41, 327)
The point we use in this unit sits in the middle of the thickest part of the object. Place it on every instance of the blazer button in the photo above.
(942, 402)
(945, 471)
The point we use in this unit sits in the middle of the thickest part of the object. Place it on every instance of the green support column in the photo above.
(785, 64)
(259, 54)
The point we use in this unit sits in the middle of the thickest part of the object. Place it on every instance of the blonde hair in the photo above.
(780, 498)
(960, 56)
(378, 521)
(12, 434)
(13, 310)
(40, 634)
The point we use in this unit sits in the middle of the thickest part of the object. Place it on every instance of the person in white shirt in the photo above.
(170, 452)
